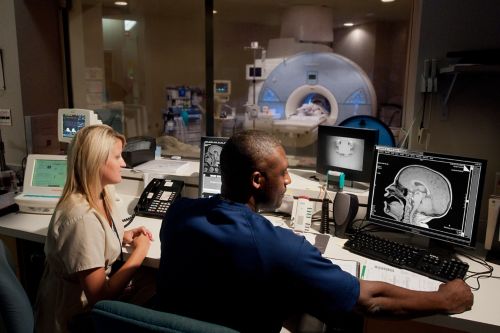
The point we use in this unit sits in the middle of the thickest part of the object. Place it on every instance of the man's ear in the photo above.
(257, 179)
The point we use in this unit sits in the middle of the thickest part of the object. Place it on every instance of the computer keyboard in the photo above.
(407, 257)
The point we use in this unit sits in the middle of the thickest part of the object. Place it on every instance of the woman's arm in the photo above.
(379, 298)
(130, 235)
(97, 287)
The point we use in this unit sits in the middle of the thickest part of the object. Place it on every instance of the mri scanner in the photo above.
(292, 96)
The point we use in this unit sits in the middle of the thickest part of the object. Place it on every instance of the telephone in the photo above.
(157, 197)
(302, 212)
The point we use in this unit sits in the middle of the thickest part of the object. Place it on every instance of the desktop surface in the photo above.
(483, 315)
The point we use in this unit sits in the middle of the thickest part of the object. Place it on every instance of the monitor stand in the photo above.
(356, 185)
(441, 249)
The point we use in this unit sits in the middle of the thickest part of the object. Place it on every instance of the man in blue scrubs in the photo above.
(223, 262)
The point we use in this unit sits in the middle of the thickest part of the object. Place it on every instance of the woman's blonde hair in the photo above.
(87, 153)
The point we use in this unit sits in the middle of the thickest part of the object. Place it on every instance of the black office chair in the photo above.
(16, 313)
(116, 316)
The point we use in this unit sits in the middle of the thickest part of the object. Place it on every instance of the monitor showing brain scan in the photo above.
(210, 177)
(434, 195)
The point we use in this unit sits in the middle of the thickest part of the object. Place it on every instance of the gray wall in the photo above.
(472, 125)
(13, 136)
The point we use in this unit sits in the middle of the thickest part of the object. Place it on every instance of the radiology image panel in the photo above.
(418, 195)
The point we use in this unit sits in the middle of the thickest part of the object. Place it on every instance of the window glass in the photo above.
(276, 67)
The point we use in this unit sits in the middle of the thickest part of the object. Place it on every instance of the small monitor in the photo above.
(71, 121)
(434, 195)
(346, 149)
(222, 88)
(44, 179)
(254, 72)
(210, 175)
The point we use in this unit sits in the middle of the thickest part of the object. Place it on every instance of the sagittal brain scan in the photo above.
(418, 195)
(212, 158)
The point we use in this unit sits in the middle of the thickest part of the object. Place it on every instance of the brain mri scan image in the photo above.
(212, 158)
(417, 196)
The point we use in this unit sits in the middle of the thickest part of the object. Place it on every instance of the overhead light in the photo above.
(348, 24)
(214, 11)
(388, 0)
(121, 3)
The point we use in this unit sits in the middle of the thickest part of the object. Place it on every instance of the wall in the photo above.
(471, 127)
(41, 70)
(11, 98)
(231, 58)
(358, 44)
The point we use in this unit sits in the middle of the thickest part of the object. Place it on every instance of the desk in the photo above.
(482, 318)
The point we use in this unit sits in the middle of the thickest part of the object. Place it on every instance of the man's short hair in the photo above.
(242, 153)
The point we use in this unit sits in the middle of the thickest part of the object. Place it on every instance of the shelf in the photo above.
(465, 68)
(469, 68)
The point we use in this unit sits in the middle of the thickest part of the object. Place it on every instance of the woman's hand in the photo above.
(130, 235)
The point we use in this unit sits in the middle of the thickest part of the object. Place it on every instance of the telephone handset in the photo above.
(302, 212)
(157, 197)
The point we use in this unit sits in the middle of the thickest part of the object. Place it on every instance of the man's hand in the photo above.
(457, 295)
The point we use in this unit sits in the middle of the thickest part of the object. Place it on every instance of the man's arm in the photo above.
(380, 298)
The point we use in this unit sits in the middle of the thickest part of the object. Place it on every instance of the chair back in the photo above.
(116, 316)
(16, 312)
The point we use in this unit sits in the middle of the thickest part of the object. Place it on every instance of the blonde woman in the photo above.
(85, 235)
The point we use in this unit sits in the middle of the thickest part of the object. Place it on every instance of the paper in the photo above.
(377, 271)
(161, 166)
(349, 266)
(320, 241)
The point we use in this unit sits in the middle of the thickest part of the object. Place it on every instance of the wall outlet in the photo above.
(5, 118)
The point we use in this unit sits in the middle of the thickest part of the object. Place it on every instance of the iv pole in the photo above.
(254, 46)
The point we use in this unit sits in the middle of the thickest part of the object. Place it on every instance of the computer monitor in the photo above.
(210, 176)
(71, 121)
(434, 195)
(348, 150)
(44, 179)
(222, 88)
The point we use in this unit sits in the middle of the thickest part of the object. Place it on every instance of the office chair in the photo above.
(109, 316)
(16, 313)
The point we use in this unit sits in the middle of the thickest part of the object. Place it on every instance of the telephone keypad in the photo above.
(158, 196)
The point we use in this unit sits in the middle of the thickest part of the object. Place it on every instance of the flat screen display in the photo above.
(346, 149)
(434, 195)
(49, 173)
(72, 123)
(210, 176)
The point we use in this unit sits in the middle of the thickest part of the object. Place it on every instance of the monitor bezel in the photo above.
(218, 139)
(370, 137)
(29, 173)
(226, 84)
(88, 114)
(415, 230)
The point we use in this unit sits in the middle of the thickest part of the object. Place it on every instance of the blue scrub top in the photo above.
(223, 263)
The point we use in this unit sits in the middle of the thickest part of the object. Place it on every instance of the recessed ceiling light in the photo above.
(214, 11)
(388, 0)
(121, 3)
(348, 24)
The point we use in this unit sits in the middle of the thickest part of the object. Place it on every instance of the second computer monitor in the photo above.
(433, 195)
(210, 175)
(346, 149)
